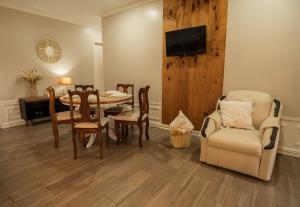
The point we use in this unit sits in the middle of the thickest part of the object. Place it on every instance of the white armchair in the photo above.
(251, 152)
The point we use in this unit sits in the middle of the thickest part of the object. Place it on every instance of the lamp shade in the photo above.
(66, 81)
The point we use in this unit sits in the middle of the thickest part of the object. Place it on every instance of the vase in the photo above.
(33, 90)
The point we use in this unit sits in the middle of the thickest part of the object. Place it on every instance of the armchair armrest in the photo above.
(271, 138)
(277, 108)
(211, 123)
(269, 130)
(270, 127)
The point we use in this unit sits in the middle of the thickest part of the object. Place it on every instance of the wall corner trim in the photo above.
(125, 8)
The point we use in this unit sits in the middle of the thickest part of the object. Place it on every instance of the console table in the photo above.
(38, 107)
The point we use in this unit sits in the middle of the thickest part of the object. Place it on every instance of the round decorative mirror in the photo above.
(49, 51)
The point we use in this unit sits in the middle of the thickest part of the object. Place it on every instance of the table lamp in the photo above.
(66, 82)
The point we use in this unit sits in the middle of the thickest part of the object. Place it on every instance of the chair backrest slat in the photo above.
(83, 87)
(85, 107)
(144, 101)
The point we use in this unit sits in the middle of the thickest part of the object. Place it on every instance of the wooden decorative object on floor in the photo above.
(85, 124)
(194, 84)
(135, 117)
(181, 131)
(83, 87)
(180, 139)
(58, 118)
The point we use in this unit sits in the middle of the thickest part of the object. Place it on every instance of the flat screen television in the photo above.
(186, 42)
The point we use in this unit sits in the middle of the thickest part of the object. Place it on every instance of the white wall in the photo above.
(132, 45)
(263, 49)
(20, 32)
(98, 67)
(263, 53)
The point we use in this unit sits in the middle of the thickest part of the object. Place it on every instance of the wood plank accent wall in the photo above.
(194, 84)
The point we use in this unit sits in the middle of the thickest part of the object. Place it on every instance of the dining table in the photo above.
(107, 99)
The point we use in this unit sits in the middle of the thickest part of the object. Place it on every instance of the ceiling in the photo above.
(84, 12)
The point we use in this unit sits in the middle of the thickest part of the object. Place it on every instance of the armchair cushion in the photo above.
(237, 114)
(237, 140)
(262, 103)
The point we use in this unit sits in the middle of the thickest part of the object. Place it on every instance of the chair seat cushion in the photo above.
(129, 116)
(91, 125)
(237, 140)
(65, 116)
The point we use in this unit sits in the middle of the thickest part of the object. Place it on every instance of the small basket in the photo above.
(180, 139)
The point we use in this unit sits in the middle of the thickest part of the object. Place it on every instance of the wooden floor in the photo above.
(33, 173)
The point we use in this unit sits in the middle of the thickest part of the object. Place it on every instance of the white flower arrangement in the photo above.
(31, 75)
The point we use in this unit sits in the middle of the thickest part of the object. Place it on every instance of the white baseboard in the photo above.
(289, 143)
(12, 124)
(10, 114)
(288, 151)
(166, 127)
(154, 111)
(158, 124)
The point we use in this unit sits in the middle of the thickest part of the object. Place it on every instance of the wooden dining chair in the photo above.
(83, 87)
(86, 88)
(125, 89)
(135, 117)
(58, 118)
(86, 124)
(128, 106)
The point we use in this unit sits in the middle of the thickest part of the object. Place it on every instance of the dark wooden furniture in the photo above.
(83, 87)
(57, 118)
(194, 84)
(36, 108)
(86, 124)
(125, 88)
(135, 117)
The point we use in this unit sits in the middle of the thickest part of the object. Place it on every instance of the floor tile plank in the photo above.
(165, 197)
(128, 186)
(136, 199)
